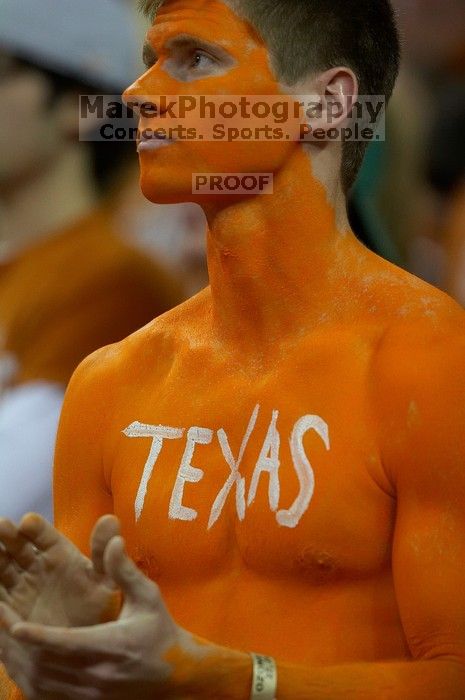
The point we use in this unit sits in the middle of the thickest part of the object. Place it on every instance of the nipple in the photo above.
(148, 565)
(317, 566)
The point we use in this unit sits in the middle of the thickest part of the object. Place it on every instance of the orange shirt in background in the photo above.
(73, 292)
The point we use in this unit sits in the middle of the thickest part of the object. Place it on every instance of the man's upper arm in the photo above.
(81, 494)
(421, 409)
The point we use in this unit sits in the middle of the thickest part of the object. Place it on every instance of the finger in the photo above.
(96, 641)
(39, 532)
(8, 617)
(105, 528)
(9, 573)
(137, 588)
(16, 545)
(4, 595)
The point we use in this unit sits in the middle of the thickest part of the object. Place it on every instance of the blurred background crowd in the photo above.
(85, 260)
(409, 200)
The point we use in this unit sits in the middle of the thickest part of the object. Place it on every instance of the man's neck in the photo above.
(45, 202)
(277, 262)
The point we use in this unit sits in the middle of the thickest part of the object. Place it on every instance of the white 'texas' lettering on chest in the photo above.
(268, 461)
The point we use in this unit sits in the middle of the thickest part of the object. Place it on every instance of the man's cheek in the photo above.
(238, 81)
(246, 156)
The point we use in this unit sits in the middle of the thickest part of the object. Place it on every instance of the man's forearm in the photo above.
(228, 674)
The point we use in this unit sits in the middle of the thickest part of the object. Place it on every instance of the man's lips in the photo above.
(153, 142)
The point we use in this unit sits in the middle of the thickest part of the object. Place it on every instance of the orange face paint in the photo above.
(167, 175)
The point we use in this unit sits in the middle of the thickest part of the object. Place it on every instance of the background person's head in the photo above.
(306, 40)
(50, 53)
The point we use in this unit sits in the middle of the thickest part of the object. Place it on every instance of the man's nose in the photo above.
(137, 95)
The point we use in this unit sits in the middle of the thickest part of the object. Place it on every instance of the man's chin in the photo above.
(164, 192)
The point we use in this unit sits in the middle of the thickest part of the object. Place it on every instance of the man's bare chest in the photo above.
(276, 472)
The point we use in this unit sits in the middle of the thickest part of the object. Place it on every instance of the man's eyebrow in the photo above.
(189, 40)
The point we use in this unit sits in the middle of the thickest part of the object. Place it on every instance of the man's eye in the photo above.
(201, 60)
(149, 58)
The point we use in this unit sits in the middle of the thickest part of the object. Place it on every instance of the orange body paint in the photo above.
(285, 450)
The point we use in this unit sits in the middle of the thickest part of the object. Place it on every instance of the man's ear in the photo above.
(336, 91)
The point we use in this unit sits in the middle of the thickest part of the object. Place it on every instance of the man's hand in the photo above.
(115, 661)
(44, 578)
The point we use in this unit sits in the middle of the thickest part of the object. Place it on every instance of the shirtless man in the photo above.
(284, 451)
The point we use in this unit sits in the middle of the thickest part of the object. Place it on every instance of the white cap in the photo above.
(95, 41)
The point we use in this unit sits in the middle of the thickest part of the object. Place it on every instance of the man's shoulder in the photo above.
(418, 389)
(428, 323)
(401, 297)
(419, 359)
(409, 312)
(153, 346)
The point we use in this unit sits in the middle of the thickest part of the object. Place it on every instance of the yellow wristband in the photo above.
(265, 678)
